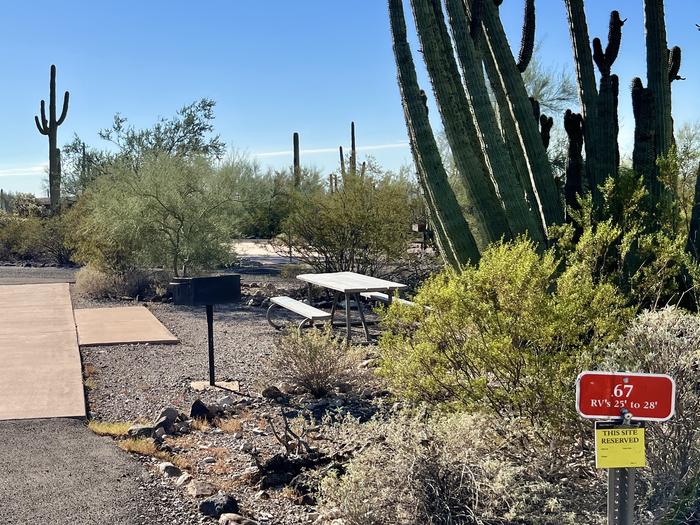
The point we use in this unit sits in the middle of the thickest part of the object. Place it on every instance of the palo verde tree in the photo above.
(49, 127)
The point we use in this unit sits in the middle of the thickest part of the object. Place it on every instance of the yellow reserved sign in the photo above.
(618, 446)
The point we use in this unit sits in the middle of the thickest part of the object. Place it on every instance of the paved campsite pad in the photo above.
(40, 371)
(121, 325)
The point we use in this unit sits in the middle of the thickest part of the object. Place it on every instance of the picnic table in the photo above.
(350, 284)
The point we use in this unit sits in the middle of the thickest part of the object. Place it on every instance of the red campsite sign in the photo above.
(604, 395)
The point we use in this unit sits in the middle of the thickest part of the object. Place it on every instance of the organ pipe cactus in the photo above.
(49, 127)
(527, 44)
(573, 125)
(452, 232)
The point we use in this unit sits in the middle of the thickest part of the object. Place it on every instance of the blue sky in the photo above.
(273, 66)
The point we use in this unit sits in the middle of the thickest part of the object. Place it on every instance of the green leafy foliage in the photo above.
(174, 212)
(507, 337)
(361, 226)
(639, 246)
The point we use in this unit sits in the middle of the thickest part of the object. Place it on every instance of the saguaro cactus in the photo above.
(297, 161)
(49, 126)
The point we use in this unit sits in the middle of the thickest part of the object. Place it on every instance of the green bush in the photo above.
(97, 284)
(32, 238)
(173, 212)
(507, 337)
(668, 342)
(363, 226)
(459, 469)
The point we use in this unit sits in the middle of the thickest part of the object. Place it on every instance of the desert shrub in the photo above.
(361, 226)
(173, 212)
(315, 360)
(33, 238)
(459, 469)
(98, 284)
(668, 342)
(508, 336)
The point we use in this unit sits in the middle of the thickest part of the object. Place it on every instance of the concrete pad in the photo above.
(121, 325)
(202, 386)
(40, 372)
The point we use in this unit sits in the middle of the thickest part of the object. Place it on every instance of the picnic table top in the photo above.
(350, 282)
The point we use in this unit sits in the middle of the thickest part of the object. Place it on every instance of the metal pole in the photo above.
(621, 496)
(210, 337)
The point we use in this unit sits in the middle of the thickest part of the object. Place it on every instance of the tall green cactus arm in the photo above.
(457, 242)
(342, 162)
(521, 216)
(657, 73)
(693, 245)
(644, 154)
(485, 213)
(521, 112)
(477, 8)
(527, 43)
(509, 132)
(585, 73)
(297, 161)
(353, 150)
(614, 37)
(573, 124)
(674, 64)
(546, 124)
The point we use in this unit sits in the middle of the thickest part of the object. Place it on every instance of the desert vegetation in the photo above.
(551, 253)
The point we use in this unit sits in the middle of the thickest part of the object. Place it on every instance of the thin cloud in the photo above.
(375, 147)
(23, 171)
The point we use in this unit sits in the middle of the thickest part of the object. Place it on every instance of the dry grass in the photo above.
(200, 424)
(141, 446)
(109, 428)
(89, 370)
(147, 447)
(89, 383)
(230, 425)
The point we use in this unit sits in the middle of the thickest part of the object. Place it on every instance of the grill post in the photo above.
(210, 339)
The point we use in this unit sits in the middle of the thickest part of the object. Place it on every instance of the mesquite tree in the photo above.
(49, 127)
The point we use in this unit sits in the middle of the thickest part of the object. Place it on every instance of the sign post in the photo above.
(622, 402)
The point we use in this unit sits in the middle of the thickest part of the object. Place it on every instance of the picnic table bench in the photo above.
(308, 312)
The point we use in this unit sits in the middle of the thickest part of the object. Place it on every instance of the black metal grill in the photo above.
(202, 291)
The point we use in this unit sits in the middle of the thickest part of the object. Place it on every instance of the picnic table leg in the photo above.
(336, 296)
(309, 294)
(347, 319)
(362, 316)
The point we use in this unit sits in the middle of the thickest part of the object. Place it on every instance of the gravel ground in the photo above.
(135, 382)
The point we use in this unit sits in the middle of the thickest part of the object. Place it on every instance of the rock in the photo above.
(159, 433)
(168, 469)
(262, 495)
(272, 392)
(200, 489)
(183, 480)
(209, 459)
(238, 435)
(199, 410)
(226, 401)
(140, 431)
(218, 505)
(170, 414)
(182, 427)
(344, 388)
(235, 519)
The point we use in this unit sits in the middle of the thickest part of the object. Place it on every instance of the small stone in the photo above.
(183, 480)
(209, 459)
(199, 410)
(235, 519)
(272, 392)
(139, 431)
(238, 435)
(226, 401)
(199, 489)
(262, 495)
(168, 469)
(218, 505)
(258, 431)
(159, 433)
